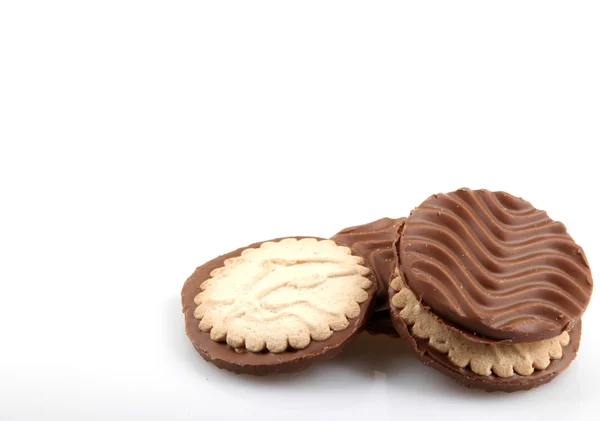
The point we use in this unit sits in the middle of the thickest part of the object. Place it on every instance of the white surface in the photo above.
(140, 139)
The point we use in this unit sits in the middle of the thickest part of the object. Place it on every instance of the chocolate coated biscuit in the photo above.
(494, 267)
(241, 360)
(489, 290)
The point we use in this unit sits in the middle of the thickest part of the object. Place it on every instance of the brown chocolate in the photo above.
(464, 376)
(494, 267)
(373, 241)
(243, 361)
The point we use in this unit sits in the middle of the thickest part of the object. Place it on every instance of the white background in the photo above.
(140, 139)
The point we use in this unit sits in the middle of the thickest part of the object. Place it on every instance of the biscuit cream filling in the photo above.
(283, 294)
(503, 360)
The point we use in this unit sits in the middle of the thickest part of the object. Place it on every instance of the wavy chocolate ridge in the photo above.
(493, 266)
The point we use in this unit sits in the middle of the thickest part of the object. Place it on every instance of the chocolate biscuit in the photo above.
(489, 290)
(277, 306)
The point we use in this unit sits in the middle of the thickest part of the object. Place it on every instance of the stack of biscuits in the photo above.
(483, 287)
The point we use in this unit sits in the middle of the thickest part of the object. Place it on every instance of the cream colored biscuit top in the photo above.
(483, 359)
(282, 293)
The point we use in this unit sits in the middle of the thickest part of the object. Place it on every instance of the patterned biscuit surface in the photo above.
(282, 294)
(503, 360)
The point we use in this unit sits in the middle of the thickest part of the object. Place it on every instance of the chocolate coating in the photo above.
(494, 267)
(373, 241)
(243, 361)
(464, 376)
